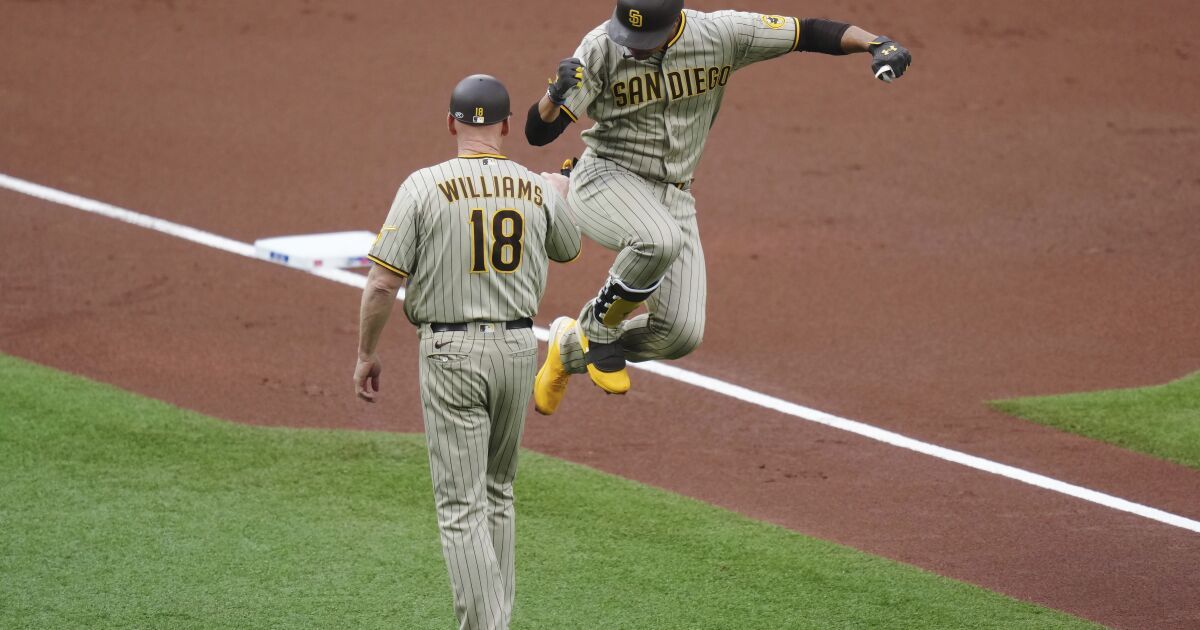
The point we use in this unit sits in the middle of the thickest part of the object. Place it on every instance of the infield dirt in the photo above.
(1018, 216)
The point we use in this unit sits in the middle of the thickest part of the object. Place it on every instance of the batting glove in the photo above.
(570, 75)
(886, 54)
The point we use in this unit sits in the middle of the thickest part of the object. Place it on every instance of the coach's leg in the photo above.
(457, 430)
(511, 368)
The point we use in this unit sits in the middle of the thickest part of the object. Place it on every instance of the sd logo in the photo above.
(635, 18)
(773, 21)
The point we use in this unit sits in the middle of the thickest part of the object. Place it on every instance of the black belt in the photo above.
(515, 324)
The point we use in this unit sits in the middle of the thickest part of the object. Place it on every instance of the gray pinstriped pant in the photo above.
(474, 391)
(653, 228)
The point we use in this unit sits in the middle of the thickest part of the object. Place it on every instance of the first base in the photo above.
(341, 250)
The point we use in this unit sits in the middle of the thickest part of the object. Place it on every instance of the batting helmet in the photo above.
(479, 99)
(644, 24)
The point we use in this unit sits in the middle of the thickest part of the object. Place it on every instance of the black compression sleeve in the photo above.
(539, 132)
(822, 36)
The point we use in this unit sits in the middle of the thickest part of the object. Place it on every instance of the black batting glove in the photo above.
(886, 53)
(570, 75)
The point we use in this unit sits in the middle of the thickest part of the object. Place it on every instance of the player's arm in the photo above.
(545, 123)
(761, 37)
(853, 40)
(830, 37)
(571, 92)
(547, 118)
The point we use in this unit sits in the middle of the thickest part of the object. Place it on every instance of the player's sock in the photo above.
(617, 300)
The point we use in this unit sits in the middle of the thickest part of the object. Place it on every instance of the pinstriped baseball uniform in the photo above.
(631, 191)
(473, 235)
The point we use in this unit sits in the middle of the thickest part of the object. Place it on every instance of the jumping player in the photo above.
(472, 235)
(652, 79)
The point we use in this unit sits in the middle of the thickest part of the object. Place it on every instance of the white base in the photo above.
(341, 250)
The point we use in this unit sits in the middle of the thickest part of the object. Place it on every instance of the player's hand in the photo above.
(570, 75)
(889, 60)
(366, 378)
(559, 182)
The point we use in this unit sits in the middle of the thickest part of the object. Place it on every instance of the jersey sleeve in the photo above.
(760, 37)
(562, 236)
(580, 98)
(395, 248)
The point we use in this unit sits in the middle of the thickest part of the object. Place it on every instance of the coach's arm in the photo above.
(379, 296)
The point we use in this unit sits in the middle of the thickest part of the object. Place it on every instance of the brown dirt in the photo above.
(1019, 216)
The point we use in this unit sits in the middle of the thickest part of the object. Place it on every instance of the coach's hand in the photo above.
(366, 378)
(570, 75)
(559, 182)
(886, 54)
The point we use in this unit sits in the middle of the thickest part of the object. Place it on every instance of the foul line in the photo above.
(662, 369)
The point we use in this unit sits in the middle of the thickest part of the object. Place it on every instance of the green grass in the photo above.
(118, 511)
(1163, 421)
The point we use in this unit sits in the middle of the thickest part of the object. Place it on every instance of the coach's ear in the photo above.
(504, 127)
(450, 125)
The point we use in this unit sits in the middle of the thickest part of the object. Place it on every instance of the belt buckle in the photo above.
(487, 329)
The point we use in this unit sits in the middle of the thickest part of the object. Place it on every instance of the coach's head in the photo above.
(645, 26)
(479, 111)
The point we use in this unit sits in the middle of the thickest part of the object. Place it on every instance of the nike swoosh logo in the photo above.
(437, 345)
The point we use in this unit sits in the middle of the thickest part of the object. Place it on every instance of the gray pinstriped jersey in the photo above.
(653, 116)
(473, 235)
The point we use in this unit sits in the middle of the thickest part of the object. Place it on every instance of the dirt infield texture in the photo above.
(1019, 216)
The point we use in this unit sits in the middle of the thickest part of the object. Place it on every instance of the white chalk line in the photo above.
(662, 369)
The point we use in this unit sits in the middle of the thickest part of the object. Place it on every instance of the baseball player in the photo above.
(472, 236)
(652, 78)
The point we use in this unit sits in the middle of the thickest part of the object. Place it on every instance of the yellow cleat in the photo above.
(606, 366)
(611, 382)
(550, 385)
